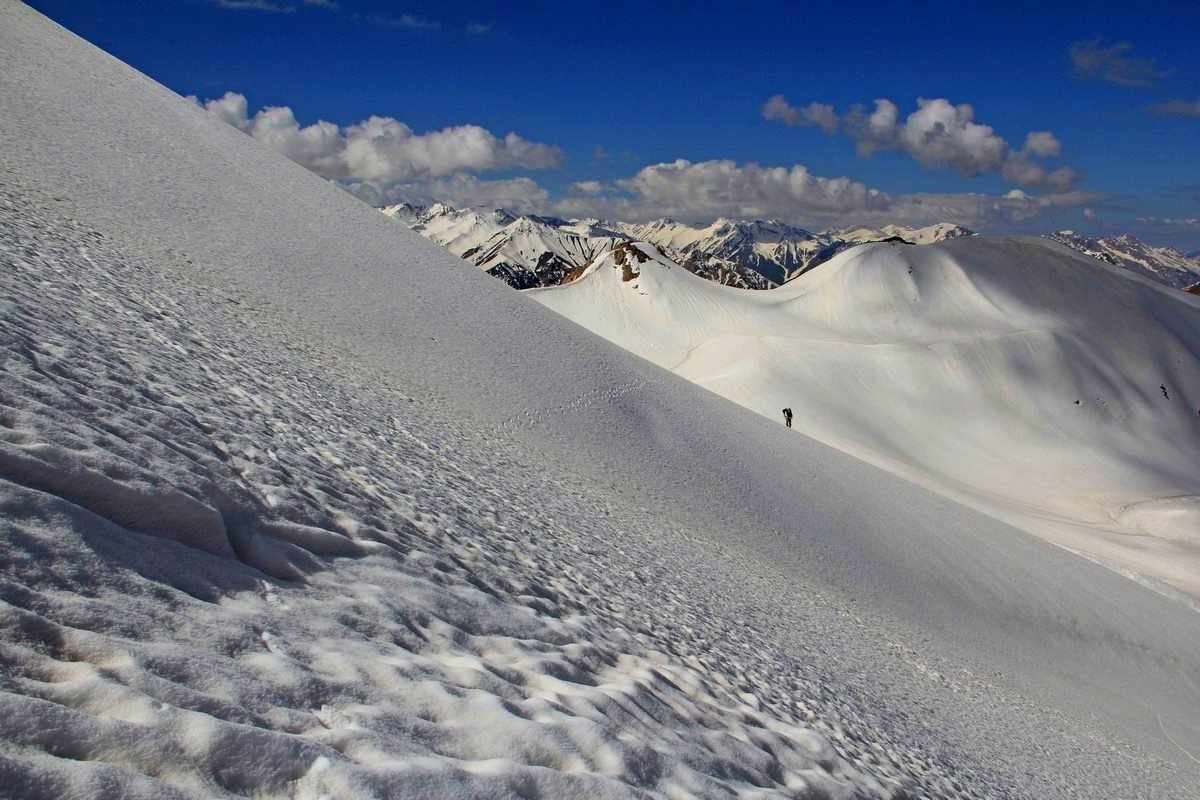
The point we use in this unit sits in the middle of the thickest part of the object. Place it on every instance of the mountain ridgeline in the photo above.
(528, 251)
(532, 251)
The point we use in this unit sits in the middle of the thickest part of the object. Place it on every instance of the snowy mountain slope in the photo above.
(1167, 265)
(1053, 392)
(606, 582)
(256, 580)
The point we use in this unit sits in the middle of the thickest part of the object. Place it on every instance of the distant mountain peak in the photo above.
(1166, 265)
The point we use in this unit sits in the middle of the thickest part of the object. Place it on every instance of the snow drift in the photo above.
(296, 504)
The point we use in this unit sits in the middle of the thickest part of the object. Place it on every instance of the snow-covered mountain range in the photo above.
(297, 511)
(531, 251)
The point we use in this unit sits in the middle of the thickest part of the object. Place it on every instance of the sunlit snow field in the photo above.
(1056, 392)
(298, 505)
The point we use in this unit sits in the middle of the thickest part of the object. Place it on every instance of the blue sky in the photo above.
(601, 97)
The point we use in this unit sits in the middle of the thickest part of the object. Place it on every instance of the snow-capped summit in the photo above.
(460, 231)
(753, 249)
(926, 235)
(524, 251)
(592, 227)
(404, 212)
(530, 251)
(1166, 265)
(437, 210)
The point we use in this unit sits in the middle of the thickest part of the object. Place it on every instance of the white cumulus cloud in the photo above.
(381, 151)
(708, 189)
(937, 134)
(724, 187)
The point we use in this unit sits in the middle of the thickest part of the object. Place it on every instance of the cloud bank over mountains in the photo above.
(382, 160)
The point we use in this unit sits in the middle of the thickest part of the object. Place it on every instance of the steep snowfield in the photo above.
(226, 574)
(1057, 392)
(298, 505)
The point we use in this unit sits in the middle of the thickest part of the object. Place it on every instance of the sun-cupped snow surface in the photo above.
(1058, 392)
(296, 504)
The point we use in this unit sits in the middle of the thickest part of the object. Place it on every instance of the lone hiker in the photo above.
(787, 417)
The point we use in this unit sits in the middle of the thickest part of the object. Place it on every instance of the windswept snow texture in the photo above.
(297, 505)
(1058, 393)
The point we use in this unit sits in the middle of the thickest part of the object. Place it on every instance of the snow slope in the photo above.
(1053, 391)
(298, 505)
